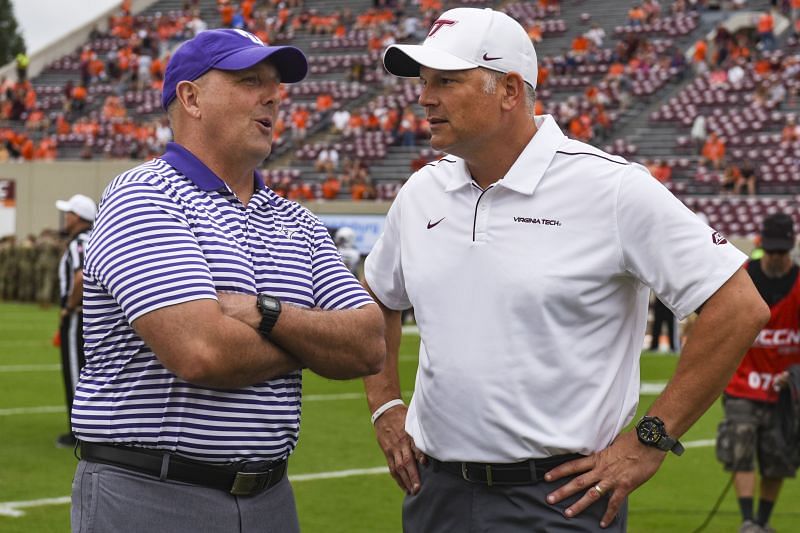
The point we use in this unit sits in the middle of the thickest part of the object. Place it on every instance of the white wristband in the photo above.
(385, 407)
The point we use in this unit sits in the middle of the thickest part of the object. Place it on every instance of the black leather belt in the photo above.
(240, 479)
(524, 473)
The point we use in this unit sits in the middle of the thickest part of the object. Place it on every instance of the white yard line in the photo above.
(33, 410)
(12, 509)
(29, 368)
(340, 473)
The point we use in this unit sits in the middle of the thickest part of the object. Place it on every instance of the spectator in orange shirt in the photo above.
(542, 76)
(662, 171)
(765, 28)
(79, 95)
(331, 187)
(355, 125)
(62, 126)
(362, 189)
(46, 149)
(324, 102)
(226, 12)
(27, 150)
(299, 123)
(699, 58)
(408, 128)
(535, 32)
(247, 10)
(37, 120)
(636, 16)
(713, 151)
(300, 191)
(580, 44)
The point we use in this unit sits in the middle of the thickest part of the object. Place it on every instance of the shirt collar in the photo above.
(527, 171)
(190, 166)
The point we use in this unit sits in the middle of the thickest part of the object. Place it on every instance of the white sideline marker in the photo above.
(29, 368)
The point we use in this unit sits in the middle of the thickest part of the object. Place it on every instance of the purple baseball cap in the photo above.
(228, 50)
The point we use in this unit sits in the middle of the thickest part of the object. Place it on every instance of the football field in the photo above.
(338, 472)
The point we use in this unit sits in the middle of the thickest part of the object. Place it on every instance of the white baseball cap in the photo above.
(81, 205)
(466, 38)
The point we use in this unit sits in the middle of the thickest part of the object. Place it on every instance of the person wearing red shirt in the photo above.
(752, 426)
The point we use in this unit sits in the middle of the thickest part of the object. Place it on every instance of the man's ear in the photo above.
(187, 93)
(514, 87)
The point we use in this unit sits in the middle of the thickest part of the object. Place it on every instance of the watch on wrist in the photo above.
(651, 432)
(270, 309)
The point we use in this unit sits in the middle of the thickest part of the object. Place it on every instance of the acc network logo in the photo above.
(773, 338)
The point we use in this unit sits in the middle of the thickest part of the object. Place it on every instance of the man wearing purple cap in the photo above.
(205, 294)
(528, 258)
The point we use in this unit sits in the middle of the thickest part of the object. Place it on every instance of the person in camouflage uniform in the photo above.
(26, 270)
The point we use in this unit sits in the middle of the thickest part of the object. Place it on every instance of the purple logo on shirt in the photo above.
(718, 239)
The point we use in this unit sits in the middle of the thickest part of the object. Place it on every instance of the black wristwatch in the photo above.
(651, 432)
(270, 309)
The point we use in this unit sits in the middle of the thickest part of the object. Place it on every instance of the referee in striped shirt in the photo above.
(79, 213)
(205, 294)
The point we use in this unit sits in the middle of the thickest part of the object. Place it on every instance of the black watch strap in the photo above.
(651, 432)
(270, 309)
(668, 444)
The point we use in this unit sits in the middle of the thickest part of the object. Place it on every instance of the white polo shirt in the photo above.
(531, 296)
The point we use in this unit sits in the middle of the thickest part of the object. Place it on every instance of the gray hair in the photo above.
(491, 79)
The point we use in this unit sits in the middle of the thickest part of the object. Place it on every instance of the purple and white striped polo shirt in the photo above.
(171, 231)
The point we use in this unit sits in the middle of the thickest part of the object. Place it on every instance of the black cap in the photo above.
(777, 233)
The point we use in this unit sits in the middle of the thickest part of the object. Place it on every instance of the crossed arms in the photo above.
(216, 344)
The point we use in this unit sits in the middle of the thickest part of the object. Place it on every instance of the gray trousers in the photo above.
(449, 504)
(108, 499)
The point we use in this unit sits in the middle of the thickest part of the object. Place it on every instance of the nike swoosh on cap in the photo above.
(430, 225)
(487, 58)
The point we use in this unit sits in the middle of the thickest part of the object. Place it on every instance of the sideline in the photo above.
(15, 509)
(29, 368)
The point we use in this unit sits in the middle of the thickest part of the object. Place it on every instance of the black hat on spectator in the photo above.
(777, 233)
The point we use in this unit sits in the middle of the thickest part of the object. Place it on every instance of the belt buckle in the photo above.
(465, 474)
(247, 483)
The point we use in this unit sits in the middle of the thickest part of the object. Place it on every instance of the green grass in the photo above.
(336, 435)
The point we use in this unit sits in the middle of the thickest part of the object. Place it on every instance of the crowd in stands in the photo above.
(732, 106)
(111, 108)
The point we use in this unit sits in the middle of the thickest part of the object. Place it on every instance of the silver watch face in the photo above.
(267, 303)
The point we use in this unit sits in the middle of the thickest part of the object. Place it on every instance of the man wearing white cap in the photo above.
(79, 213)
(528, 258)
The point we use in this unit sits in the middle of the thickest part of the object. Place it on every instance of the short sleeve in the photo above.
(144, 253)
(667, 247)
(383, 268)
(335, 287)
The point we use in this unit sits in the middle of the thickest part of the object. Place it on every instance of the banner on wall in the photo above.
(366, 227)
(8, 207)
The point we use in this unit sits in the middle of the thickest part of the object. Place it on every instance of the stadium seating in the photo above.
(632, 90)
